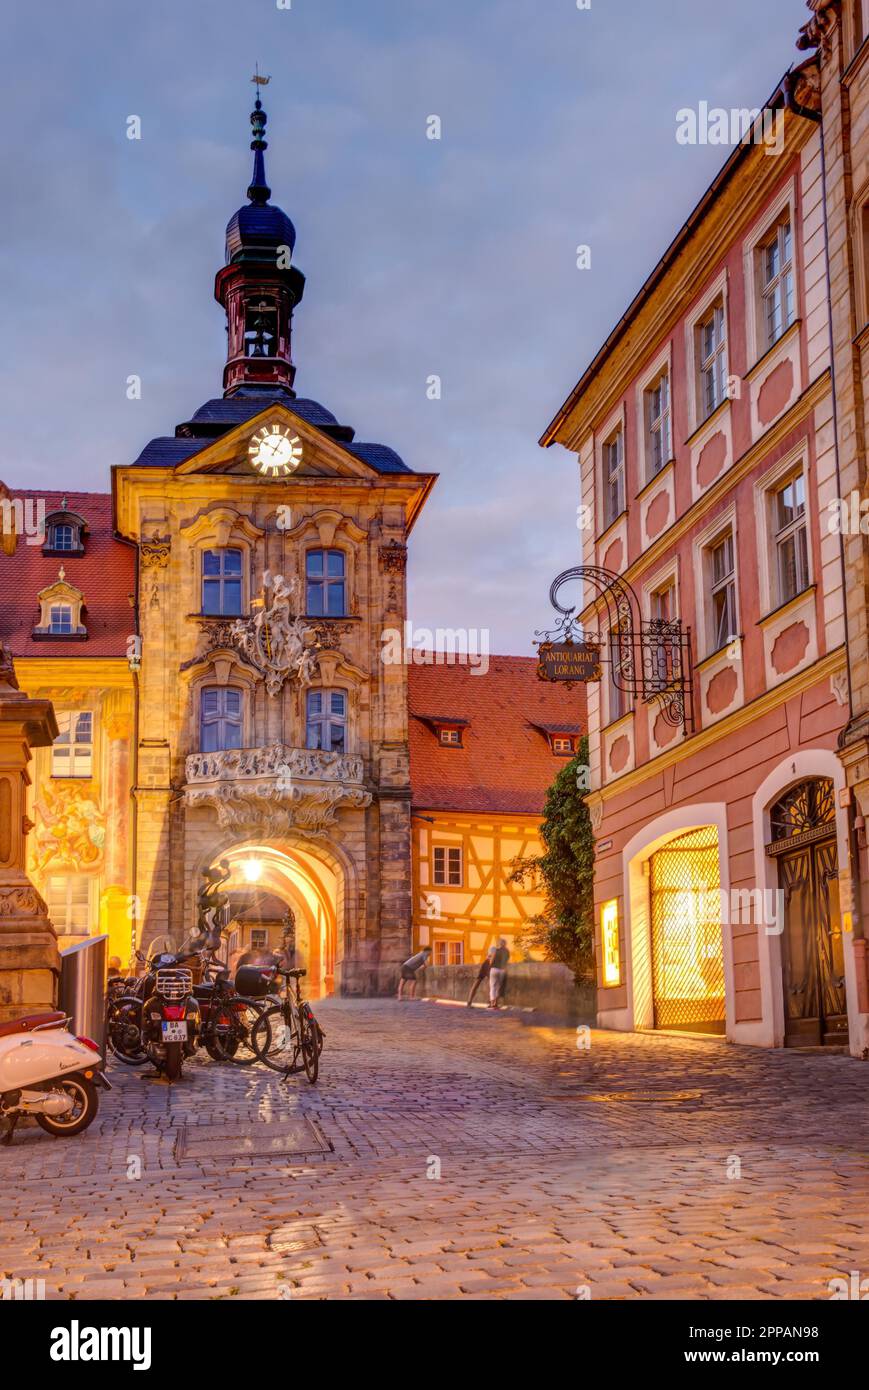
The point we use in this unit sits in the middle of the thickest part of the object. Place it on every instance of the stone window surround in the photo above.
(222, 528)
(723, 521)
(617, 420)
(661, 364)
(796, 461)
(756, 345)
(715, 290)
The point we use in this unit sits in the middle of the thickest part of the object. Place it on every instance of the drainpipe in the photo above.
(134, 759)
(853, 846)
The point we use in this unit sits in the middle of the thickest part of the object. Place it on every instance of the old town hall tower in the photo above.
(271, 562)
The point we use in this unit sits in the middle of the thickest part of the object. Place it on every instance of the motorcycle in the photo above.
(170, 1015)
(158, 1019)
(48, 1073)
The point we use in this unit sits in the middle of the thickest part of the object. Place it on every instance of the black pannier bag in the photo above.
(254, 981)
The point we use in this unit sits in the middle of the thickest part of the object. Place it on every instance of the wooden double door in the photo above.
(813, 965)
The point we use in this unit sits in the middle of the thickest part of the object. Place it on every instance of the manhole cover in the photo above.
(632, 1097)
(256, 1140)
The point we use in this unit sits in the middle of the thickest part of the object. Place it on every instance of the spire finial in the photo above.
(259, 191)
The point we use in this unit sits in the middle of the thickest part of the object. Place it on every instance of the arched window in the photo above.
(220, 718)
(325, 586)
(327, 720)
(222, 583)
(810, 806)
(64, 533)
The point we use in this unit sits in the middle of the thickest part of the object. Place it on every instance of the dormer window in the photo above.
(64, 533)
(563, 739)
(60, 610)
(450, 738)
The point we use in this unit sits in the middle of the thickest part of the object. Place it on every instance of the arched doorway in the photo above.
(262, 878)
(687, 948)
(803, 843)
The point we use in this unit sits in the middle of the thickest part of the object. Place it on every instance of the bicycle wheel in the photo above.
(309, 1044)
(274, 1039)
(233, 1028)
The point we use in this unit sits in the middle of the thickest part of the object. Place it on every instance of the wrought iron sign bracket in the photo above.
(650, 658)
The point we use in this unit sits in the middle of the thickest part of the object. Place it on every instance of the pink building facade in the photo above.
(704, 432)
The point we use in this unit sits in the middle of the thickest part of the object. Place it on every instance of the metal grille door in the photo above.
(687, 950)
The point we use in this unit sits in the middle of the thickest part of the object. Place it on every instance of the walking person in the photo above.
(498, 973)
(482, 973)
(409, 972)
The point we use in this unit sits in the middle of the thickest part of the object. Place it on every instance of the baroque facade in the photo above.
(221, 637)
(705, 431)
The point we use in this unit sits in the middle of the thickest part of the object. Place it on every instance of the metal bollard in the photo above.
(83, 987)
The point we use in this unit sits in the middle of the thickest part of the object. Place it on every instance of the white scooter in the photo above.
(47, 1072)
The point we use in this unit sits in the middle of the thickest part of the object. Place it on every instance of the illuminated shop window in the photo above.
(609, 935)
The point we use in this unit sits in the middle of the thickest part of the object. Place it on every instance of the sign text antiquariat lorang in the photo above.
(568, 661)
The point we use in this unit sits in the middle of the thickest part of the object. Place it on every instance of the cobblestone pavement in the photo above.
(643, 1167)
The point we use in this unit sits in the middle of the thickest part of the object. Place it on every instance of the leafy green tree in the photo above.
(564, 873)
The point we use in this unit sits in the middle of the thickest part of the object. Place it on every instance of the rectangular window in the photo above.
(616, 697)
(222, 582)
(777, 284)
(63, 537)
(447, 866)
(73, 750)
(662, 604)
(609, 934)
(67, 897)
(722, 591)
(325, 587)
(562, 746)
(220, 723)
(327, 720)
(451, 737)
(791, 541)
(259, 938)
(658, 447)
(712, 359)
(614, 477)
(60, 619)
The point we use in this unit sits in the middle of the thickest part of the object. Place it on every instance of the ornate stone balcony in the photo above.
(276, 787)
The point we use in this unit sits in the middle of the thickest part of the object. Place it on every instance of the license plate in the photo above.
(175, 1032)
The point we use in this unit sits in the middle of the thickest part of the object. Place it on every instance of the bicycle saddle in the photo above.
(296, 974)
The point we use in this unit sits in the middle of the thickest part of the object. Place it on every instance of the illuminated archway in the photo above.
(306, 883)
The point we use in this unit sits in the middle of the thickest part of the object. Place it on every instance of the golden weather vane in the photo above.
(259, 79)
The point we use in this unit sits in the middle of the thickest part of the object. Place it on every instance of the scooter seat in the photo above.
(31, 1021)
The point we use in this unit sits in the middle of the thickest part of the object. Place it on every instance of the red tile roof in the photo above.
(105, 573)
(505, 762)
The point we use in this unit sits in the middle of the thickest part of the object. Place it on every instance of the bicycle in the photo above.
(289, 1025)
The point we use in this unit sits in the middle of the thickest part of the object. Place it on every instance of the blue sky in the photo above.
(453, 257)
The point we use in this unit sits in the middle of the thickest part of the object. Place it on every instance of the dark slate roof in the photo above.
(379, 456)
(234, 410)
(255, 231)
(165, 453)
(224, 413)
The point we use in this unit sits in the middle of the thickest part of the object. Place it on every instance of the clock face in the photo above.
(275, 452)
